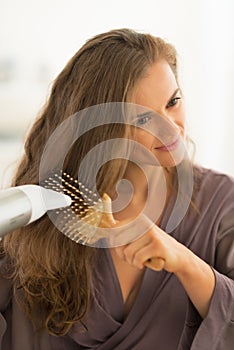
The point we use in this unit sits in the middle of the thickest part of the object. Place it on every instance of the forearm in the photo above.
(198, 280)
(196, 276)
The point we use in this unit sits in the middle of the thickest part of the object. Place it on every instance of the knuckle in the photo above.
(138, 259)
(128, 251)
(120, 252)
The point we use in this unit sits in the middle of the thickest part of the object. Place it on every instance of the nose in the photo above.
(165, 127)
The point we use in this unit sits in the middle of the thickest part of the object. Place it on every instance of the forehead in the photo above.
(156, 87)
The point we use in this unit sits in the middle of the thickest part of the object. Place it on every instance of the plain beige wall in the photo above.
(37, 39)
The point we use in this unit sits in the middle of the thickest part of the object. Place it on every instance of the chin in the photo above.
(168, 159)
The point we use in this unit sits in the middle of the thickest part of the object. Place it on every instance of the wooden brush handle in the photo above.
(156, 264)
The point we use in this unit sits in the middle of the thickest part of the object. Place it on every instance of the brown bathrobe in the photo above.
(162, 316)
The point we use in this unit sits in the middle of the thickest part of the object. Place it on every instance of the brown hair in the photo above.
(52, 272)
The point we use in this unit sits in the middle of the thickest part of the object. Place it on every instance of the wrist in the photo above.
(191, 265)
(198, 280)
(187, 261)
(181, 259)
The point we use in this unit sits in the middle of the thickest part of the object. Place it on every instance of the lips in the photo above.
(171, 146)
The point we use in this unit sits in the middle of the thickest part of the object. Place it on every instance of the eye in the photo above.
(173, 101)
(143, 120)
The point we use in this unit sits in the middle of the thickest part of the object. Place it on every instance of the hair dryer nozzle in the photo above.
(22, 205)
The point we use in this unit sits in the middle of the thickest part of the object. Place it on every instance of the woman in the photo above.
(57, 294)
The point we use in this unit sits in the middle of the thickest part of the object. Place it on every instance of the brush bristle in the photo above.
(80, 221)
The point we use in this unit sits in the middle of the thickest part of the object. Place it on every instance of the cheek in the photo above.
(145, 139)
(182, 115)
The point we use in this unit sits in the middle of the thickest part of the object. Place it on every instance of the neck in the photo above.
(146, 178)
(144, 188)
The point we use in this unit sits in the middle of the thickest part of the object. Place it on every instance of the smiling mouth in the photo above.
(169, 147)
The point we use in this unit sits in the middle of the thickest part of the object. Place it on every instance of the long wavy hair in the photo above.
(51, 273)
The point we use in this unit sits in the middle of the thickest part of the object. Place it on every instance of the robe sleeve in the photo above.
(216, 331)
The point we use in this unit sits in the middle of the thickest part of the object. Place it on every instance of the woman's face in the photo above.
(160, 128)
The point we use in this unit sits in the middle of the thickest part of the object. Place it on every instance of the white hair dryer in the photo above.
(19, 206)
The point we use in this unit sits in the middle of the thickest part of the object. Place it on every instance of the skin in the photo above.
(159, 92)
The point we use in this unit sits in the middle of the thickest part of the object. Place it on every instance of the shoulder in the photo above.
(213, 187)
(211, 178)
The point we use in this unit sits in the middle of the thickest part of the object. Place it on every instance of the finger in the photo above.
(156, 264)
(128, 231)
(151, 238)
(131, 250)
(107, 219)
(148, 256)
(120, 252)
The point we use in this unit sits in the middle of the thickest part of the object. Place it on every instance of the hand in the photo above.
(155, 244)
(139, 240)
(142, 243)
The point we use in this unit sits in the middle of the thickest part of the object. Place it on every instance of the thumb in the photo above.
(107, 219)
